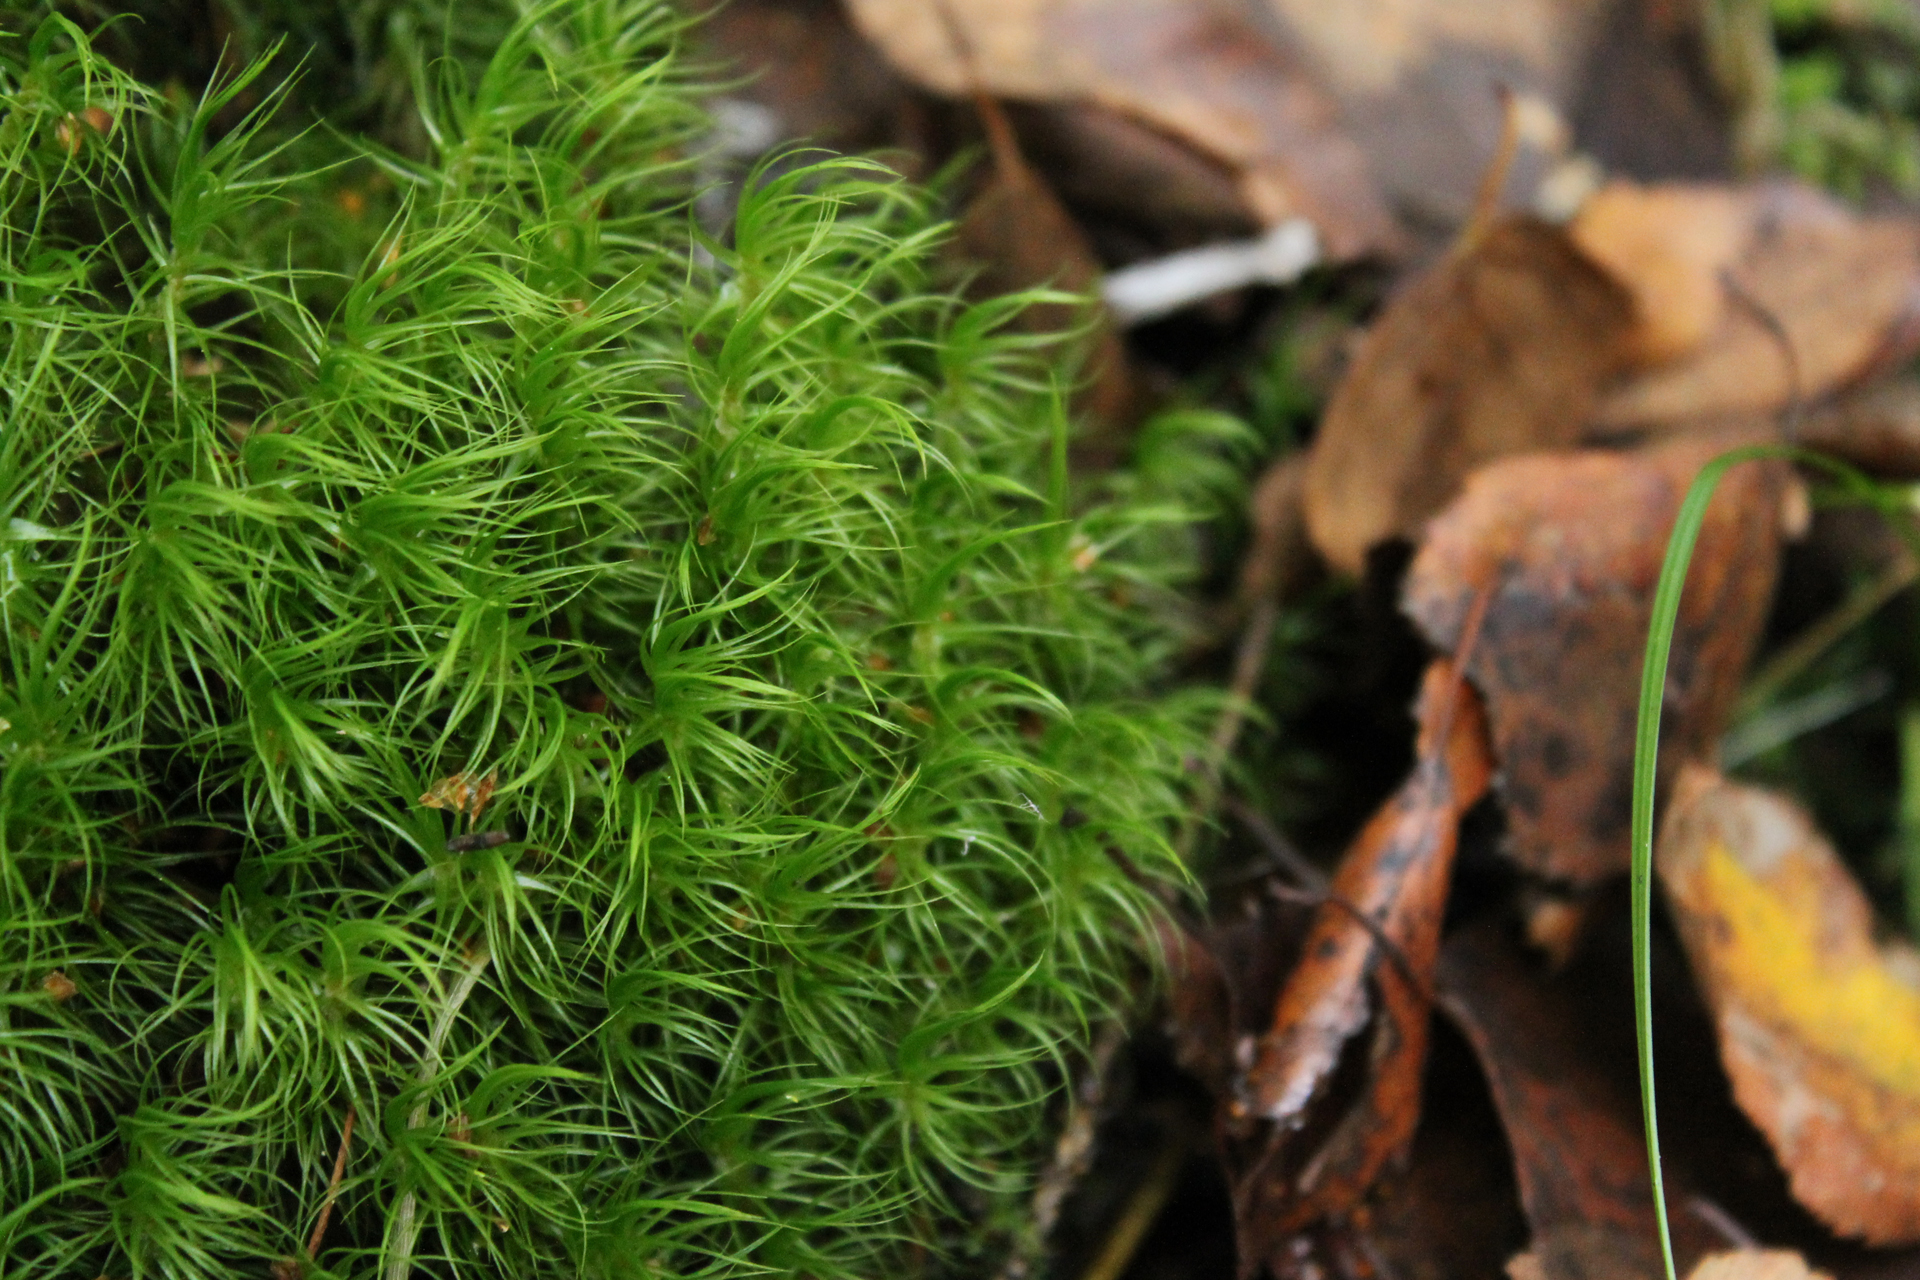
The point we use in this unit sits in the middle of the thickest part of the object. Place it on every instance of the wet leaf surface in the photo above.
(1578, 1154)
(1363, 986)
(1819, 1026)
(1570, 546)
(1499, 349)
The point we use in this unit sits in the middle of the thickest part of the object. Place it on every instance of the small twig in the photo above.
(1143, 1207)
(1721, 1221)
(405, 1228)
(1249, 661)
(1792, 411)
(1008, 162)
(333, 1187)
(1072, 1154)
(1279, 850)
(1822, 635)
(1493, 180)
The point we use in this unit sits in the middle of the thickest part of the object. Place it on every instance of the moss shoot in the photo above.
(349, 464)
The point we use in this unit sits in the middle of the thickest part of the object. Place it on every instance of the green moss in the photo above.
(818, 700)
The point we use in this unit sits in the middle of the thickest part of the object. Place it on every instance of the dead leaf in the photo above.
(803, 60)
(1766, 295)
(1368, 959)
(1195, 71)
(1756, 1264)
(1570, 546)
(1122, 169)
(1416, 79)
(1876, 427)
(1666, 245)
(1819, 1027)
(1578, 1153)
(1019, 236)
(1499, 349)
(462, 792)
(1278, 556)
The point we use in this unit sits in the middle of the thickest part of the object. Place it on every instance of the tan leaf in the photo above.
(1756, 1264)
(1195, 71)
(1763, 294)
(1417, 80)
(1499, 349)
(1570, 545)
(1819, 1027)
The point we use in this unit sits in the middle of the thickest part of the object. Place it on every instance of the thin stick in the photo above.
(1249, 661)
(1008, 162)
(1148, 1199)
(1493, 180)
(1818, 638)
(333, 1187)
(405, 1229)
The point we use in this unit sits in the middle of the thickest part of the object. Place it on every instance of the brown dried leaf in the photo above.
(1018, 234)
(1499, 349)
(805, 62)
(1578, 1154)
(1819, 1027)
(1417, 81)
(462, 792)
(1766, 295)
(1196, 71)
(1570, 546)
(1368, 958)
(1876, 427)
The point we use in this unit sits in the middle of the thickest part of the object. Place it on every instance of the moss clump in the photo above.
(748, 573)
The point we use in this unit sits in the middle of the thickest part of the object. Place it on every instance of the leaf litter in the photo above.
(1522, 415)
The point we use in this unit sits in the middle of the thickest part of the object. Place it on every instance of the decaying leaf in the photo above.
(1578, 1154)
(1367, 963)
(1756, 1264)
(462, 792)
(803, 61)
(1499, 349)
(1750, 298)
(1819, 1028)
(1876, 427)
(1667, 245)
(1570, 546)
(1019, 236)
(1416, 80)
(1198, 72)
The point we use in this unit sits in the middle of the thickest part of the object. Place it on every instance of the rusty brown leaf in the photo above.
(1748, 299)
(1578, 1154)
(1499, 349)
(1819, 1027)
(462, 792)
(1366, 964)
(1198, 72)
(1570, 546)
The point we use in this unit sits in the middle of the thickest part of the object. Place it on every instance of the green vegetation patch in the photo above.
(813, 701)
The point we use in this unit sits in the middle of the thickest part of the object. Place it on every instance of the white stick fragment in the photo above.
(1148, 289)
